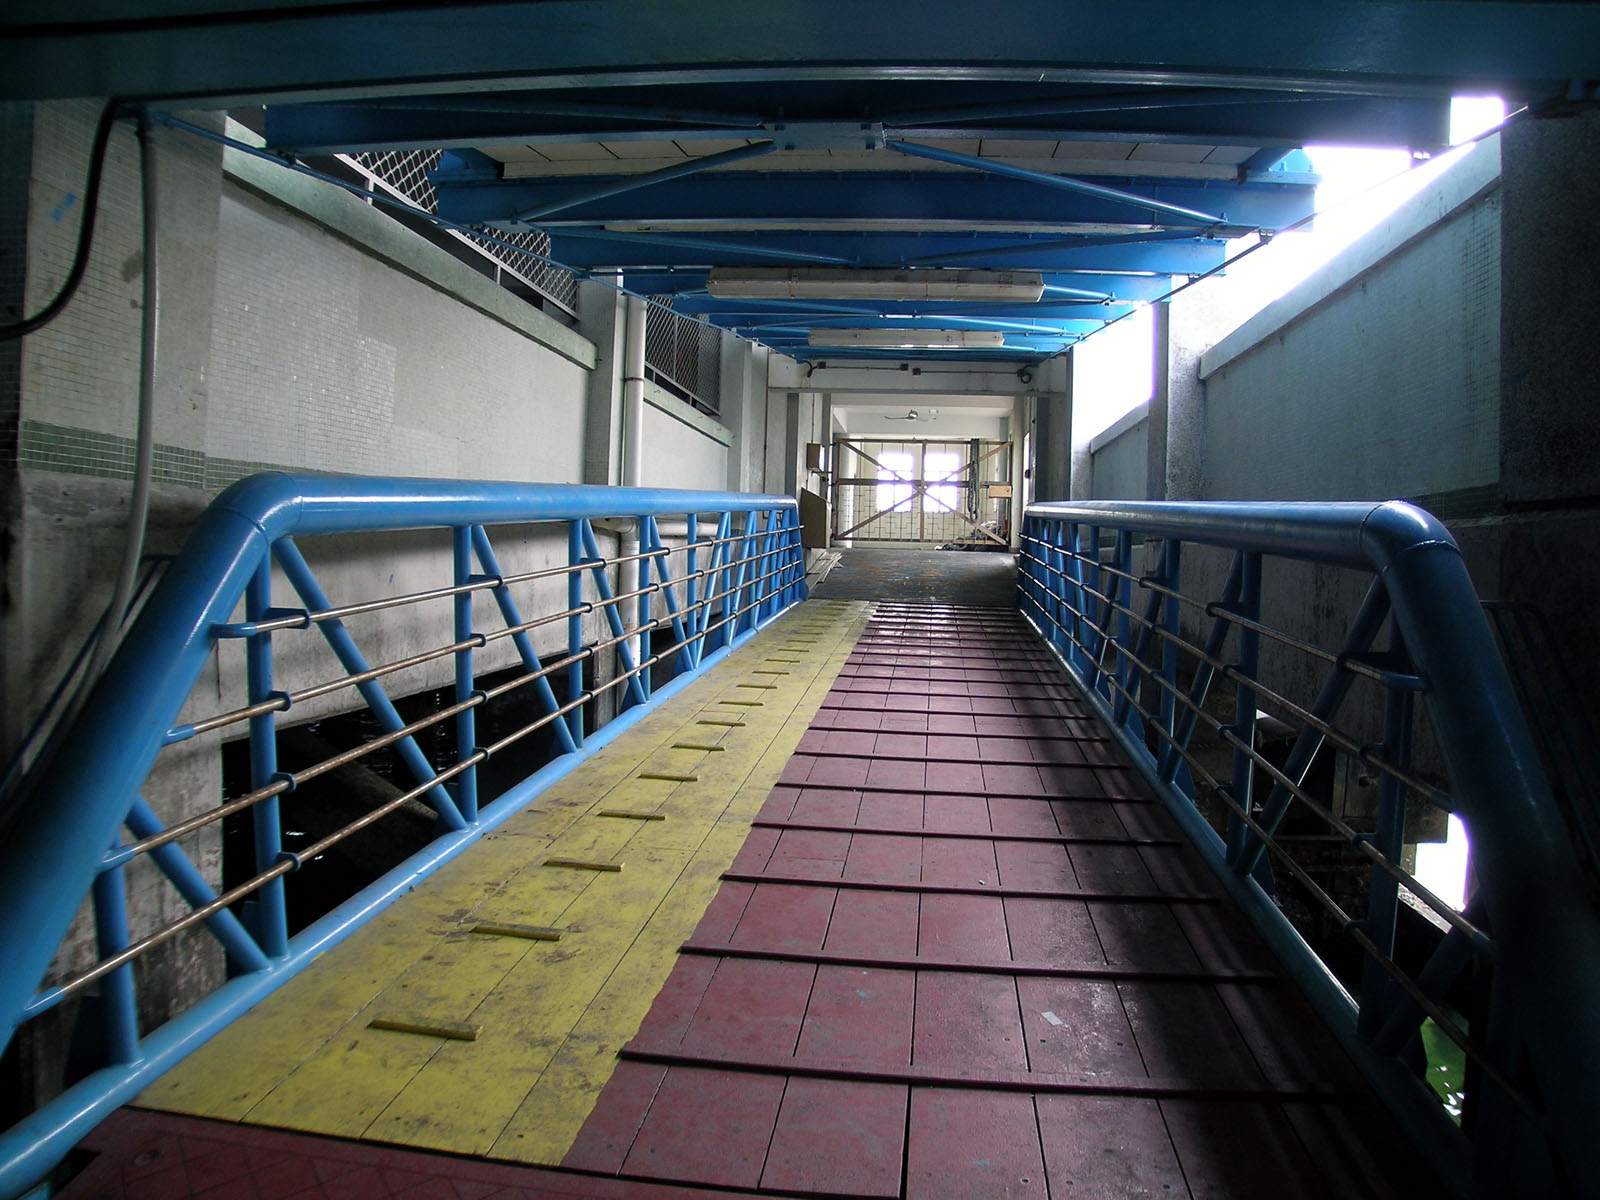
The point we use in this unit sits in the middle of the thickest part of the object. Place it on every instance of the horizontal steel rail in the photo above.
(710, 568)
(1148, 652)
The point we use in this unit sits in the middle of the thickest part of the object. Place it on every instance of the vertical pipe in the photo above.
(144, 442)
(272, 921)
(465, 784)
(694, 619)
(1173, 550)
(524, 644)
(642, 648)
(575, 629)
(1244, 704)
(121, 1015)
(633, 339)
(1388, 837)
(352, 660)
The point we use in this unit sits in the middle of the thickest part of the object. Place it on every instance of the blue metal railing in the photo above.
(1111, 587)
(716, 565)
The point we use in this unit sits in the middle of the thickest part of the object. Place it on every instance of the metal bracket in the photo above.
(826, 135)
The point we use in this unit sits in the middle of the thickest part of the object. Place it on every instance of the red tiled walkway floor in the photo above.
(963, 954)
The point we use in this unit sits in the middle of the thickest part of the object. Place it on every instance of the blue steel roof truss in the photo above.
(664, 181)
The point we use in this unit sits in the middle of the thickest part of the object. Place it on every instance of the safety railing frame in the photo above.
(55, 855)
(1546, 932)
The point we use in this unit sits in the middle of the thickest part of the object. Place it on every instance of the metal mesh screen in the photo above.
(406, 173)
(684, 356)
(921, 490)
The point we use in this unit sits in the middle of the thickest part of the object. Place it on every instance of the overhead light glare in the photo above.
(910, 339)
(830, 283)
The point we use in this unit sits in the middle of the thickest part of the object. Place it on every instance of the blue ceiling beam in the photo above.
(631, 183)
(1233, 117)
(1142, 201)
(618, 248)
(967, 197)
(225, 52)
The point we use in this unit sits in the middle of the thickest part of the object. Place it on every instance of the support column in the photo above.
(1549, 543)
(1019, 430)
(601, 320)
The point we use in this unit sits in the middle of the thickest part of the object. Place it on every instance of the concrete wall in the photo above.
(1379, 376)
(683, 448)
(1118, 459)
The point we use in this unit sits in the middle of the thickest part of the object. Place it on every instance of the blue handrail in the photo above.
(55, 851)
(1545, 946)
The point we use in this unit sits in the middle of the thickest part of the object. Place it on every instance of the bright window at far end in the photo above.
(942, 470)
(894, 478)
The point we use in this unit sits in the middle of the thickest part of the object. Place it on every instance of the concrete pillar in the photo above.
(601, 320)
(1052, 428)
(1550, 308)
(16, 163)
(1549, 542)
(1019, 429)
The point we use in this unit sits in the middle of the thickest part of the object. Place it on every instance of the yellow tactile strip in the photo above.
(550, 1014)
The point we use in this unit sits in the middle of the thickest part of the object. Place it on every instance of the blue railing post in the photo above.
(269, 911)
(597, 570)
(1247, 663)
(352, 660)
(1389, 837)
(524, 644)
(466, 783)
(120, 1007)
(575, 628)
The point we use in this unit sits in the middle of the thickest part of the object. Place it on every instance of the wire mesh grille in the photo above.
(524, 253)
(685, 356)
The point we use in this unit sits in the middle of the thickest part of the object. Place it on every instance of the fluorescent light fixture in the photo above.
(910, 339)
(830, 283)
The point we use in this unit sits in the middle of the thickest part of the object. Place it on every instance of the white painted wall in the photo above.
(677, 455)
(1119, 459)
(1379, 377)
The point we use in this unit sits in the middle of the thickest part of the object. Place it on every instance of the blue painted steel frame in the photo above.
(1546, 930)
(56, 852)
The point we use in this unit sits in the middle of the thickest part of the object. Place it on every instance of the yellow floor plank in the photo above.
(552, 1014)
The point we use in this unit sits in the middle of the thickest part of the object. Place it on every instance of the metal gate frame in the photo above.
(919, 484)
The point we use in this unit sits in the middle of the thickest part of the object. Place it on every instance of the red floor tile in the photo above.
(1052, 931)
(751, 1007)
(867, 923)
(953, 862)
(784, 917)
(859, 1015)
(947, 813)
(891, 810)
(967, 1021)
(1097, 1147)
(1078, 1027)
(1042, 866)
(967, 1144)
(884, 858)
(710, 1127)
(607, 1136)
(826, 806)
(861, 1125)
(1021, 814)
(963, 929)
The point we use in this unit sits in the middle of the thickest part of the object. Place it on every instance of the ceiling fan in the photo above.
(931, 414)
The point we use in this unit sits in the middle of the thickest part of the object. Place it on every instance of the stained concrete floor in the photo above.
(980, 579)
